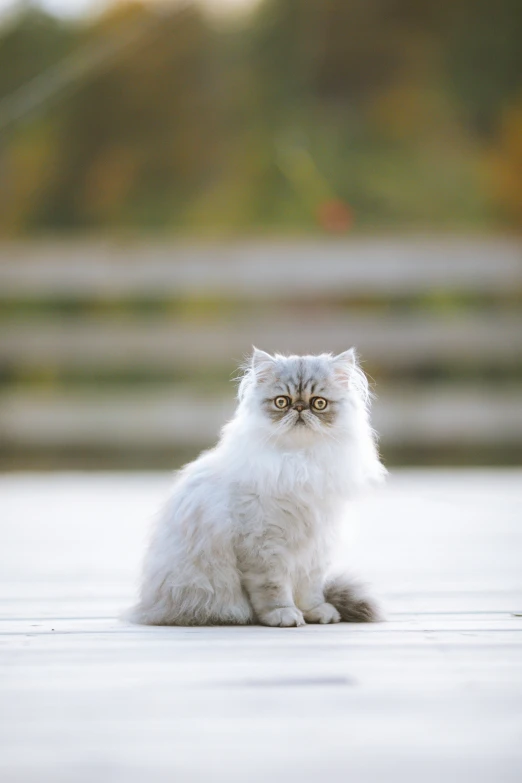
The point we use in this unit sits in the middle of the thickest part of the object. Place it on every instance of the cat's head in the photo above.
(302, 398)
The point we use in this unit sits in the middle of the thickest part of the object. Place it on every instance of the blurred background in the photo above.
(181, 180)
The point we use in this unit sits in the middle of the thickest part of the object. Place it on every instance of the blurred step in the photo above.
(403, 340)
(402, 416)
(384, 266)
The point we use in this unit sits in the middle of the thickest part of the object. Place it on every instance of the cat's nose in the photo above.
(299, 406)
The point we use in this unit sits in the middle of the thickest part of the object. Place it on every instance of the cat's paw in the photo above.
(324, 613)
(284, 617)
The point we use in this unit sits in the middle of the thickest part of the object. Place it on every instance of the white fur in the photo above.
(246, 533)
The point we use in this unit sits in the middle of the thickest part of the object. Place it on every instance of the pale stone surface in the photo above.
(433, 694)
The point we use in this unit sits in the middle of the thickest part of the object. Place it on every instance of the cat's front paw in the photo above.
(284, 617)
(324, 613)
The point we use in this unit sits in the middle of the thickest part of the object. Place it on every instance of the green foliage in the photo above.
(406, 111)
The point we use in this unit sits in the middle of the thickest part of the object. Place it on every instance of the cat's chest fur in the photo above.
(315, 477)
(288, 501)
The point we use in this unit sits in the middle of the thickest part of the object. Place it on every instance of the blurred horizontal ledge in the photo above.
(388, 340)
(403, 417)
(385, 266)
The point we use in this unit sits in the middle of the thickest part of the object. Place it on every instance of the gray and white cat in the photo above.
(247, 533)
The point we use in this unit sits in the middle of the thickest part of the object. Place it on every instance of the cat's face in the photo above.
(302, 398)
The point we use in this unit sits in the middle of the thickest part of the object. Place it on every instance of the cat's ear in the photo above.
(344, 365)
(262, 363)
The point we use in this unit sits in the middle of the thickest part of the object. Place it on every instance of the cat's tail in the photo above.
(350, 600)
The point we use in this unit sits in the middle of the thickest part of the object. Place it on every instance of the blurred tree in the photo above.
(29, 44)
(483, 57)
(395, 104)
(138, 138)
(504, 165)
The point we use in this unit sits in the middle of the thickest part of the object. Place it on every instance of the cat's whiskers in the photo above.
(275, 431)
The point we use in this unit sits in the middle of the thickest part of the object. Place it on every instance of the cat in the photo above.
(247, 532)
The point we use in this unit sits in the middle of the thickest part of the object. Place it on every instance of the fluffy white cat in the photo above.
(247, 532)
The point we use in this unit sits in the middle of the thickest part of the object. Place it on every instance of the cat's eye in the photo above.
(282, 402)
(319, 403)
